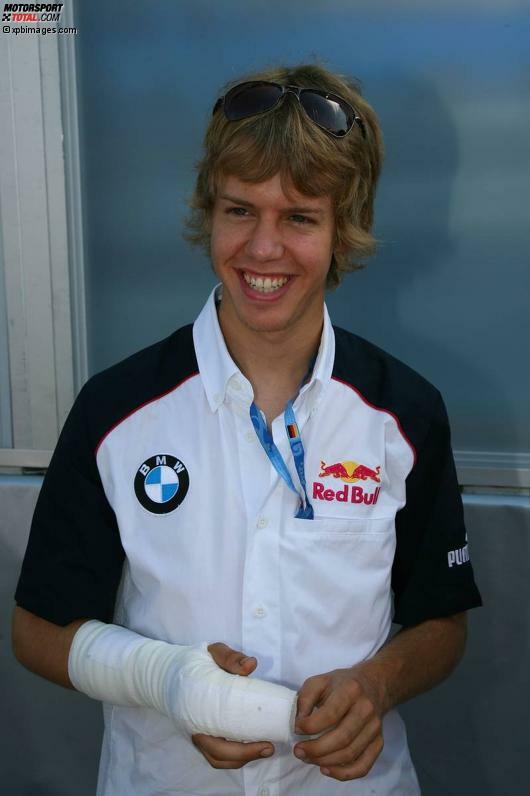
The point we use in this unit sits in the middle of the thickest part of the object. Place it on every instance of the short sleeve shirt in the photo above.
(161, 511)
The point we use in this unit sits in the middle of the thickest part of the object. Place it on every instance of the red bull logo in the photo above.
(349, 472)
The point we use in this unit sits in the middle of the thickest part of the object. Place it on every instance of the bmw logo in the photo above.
(161, 483)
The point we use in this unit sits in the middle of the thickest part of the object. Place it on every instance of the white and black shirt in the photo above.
(162, 512)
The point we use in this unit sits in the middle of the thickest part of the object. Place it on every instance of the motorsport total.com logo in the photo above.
(32, 12)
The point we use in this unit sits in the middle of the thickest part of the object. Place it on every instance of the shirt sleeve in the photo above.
(432, 574)
(73, 561)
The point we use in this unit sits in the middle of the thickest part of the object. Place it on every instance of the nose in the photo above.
(265, 241)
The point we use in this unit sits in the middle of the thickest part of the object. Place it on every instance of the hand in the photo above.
(345, 706)
(217, 751)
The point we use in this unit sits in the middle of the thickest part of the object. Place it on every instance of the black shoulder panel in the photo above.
(386, 383)
(115, 393)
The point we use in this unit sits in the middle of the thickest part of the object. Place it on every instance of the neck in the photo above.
(263, 362)
(274, 362)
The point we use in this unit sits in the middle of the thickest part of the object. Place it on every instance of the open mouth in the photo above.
(265, 284)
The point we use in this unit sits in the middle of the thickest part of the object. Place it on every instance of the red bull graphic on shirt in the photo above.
(349, 472)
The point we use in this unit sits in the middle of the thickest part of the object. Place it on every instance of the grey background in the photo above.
(467, 737)
(449, 290)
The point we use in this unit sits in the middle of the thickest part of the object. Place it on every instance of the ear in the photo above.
(331, 279)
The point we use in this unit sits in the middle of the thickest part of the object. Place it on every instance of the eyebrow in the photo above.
(295, 209)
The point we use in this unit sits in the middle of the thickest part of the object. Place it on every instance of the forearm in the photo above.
(119, 666)
(43, 647)
(414, 660)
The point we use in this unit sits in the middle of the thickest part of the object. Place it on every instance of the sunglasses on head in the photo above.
(329, 111)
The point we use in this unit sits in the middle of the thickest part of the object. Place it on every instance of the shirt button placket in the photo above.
(261, 619)
(261, 625)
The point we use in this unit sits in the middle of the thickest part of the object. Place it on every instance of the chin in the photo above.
(265, 326)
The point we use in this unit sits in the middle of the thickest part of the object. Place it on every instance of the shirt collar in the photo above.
(217, 367)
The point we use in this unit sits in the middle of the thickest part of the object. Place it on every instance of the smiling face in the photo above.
(272, 251)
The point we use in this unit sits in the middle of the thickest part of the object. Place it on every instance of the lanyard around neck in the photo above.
(305, 510)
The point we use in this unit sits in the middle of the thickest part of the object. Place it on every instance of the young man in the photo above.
(261, 480)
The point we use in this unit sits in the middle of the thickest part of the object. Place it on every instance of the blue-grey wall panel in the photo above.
(449, 290)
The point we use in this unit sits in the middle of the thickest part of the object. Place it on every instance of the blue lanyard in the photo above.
(305, 510)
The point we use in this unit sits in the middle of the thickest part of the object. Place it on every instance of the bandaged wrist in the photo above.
(118, 666)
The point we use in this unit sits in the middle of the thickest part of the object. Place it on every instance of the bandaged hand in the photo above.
(116, 665)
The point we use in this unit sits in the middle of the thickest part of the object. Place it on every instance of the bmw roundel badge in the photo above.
(161, 483)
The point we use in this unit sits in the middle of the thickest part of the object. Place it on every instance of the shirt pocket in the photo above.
(343, 558)
(335, 577)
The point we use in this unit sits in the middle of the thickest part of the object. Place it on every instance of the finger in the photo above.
(349, 754)
(360, 767)
(220, 763)
(331, 710)
(360, 716)
(221, 753)
(233, 764)
(310, 694)
(232, 661)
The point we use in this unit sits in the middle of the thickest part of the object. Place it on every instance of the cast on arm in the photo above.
(116, 665)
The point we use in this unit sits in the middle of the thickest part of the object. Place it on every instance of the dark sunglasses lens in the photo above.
(250, 99)
(330, 112)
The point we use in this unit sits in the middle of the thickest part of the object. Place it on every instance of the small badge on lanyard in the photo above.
(305, 510)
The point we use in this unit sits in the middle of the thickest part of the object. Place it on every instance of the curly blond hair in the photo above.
(287, 142)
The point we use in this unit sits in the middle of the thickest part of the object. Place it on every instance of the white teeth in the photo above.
(266, 285)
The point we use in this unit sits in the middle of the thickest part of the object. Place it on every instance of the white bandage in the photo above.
(116, 665)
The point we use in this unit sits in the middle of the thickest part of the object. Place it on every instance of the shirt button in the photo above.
(250, 436)
(263, 792)
(218, 397)
(236, 384)
(260, 612)
(262, 522)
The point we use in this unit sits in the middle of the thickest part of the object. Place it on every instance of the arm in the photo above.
(417, 659)
(72, 569)
(44, 648)
(348, 705)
